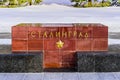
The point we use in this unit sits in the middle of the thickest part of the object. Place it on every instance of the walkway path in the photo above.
(60, 76)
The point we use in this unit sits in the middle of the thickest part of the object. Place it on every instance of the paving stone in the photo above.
(108, 76)
(59, 76)
(70, 76)
(88, 76)
(53, 76)
(34, 76)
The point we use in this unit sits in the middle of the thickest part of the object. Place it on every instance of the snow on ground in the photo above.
(55, 13)
(113, 41)
(5, 42)
(63, 2)
(8, 41)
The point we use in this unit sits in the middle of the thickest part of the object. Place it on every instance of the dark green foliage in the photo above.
(38, 1)
(18, 3)
(89, 3)
(77, 2)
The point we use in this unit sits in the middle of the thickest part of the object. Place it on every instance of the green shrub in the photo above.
(38, 1)
(118, 1)
(100, 4)
(12, 2)
(77, 2)
(1, 3)
(104, 4)
(90, 4)
(21, 1)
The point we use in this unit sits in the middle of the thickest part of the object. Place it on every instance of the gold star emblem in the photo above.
(59, 44)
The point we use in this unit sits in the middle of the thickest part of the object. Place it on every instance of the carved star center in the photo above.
(59, 44)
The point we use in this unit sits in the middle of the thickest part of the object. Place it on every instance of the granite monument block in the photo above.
(60, 42)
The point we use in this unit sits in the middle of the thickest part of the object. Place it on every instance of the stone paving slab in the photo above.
(70, 76)
(88, 76)
(107, 76)
(60, 76)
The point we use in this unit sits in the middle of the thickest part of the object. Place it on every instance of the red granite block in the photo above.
(68, 59)
(74, 37)
(69, 45)
(52, 32)
(100, 44)
(68, 65)
(84, 31)
(59, 42)
(67, 32)
(100, 32)
(35, 33)
(59, 59)
(35, 45)
(52, 56)
(68, 56)
(19, 46)
(51, 44)
(51, 65)
(52, 59)
(19, 33)
(83, 44)
(43, 32)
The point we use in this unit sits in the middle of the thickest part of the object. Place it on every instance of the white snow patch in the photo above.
(113, 41)
(55, 13)
(62, 2)
(5, 41)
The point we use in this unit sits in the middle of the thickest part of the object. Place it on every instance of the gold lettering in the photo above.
(45, 34)
(57, 34)
(69, 34)
(39, 32)
(33, 34)
(51, 35)
(74, 33)
(80, 35)
(64, 34)
(86, 35)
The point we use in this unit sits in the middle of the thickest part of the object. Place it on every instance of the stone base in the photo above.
(21, 62)
(98, 62)
(86, 62)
